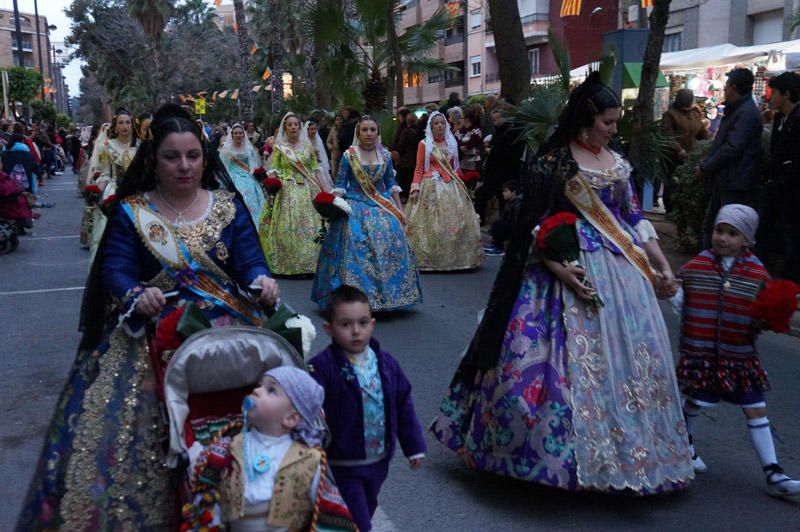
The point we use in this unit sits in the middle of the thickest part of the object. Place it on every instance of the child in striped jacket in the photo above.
(719, 360)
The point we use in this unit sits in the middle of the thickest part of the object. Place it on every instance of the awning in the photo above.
(724, 54)
(632, 76)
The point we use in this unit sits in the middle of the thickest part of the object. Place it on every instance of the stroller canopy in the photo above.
(214, 360)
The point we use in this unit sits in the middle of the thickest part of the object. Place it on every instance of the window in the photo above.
(436, 76)
(673, 41)
(412, 79)
(475, 20)
(455, 33)
(533, 59)
(474, 66)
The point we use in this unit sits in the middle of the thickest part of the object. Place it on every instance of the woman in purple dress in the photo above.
(554, 388)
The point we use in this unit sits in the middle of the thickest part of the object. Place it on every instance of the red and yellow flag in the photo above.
(267, 73)
(647, 3)
(572, 7)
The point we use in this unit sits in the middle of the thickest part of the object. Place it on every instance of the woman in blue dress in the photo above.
(241, 159)
(172, 240)
(555, 388)
(368, 249)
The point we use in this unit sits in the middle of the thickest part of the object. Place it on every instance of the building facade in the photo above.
(36, 51)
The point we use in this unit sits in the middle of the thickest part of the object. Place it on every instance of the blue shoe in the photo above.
(492, 251)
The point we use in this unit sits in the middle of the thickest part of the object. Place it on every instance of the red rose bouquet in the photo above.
(331, 207)
(272, 185)
(260, 173)
(775, 305)
(557, 240)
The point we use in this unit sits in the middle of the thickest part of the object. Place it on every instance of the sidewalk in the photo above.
(669, 245)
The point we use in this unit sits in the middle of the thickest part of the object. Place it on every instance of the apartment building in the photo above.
(698, 23)
(468, 47)
(36, 52)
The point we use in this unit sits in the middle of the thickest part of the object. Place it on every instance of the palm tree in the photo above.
(358, 50)
(152, 15)
(196, 12)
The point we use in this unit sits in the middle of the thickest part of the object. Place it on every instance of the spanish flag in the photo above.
(647, 3)
(572, 7)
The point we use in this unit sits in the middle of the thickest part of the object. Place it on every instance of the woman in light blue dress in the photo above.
(241, 159)
(368, 249)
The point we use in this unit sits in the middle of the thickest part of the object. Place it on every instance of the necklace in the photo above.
(588, 147)
(179, 219)
(367, 149)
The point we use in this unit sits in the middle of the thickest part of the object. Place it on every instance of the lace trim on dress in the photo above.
(621, 171)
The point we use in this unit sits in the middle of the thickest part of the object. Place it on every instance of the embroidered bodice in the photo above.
(113, 160)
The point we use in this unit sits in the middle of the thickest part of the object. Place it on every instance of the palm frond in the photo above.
(537, 116)
(561, 56)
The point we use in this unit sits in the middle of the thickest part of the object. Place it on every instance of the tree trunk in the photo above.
(512, 54)
(246, 90)
(397, 56)
(276, 53)
(309, 70)
(643, 108)
(323, 93)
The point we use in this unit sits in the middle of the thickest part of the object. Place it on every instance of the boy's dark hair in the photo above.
(344, 294)
(787, 82)
(512, 185)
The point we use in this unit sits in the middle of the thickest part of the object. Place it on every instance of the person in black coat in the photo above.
(734, 160)
(503, 163)
(779, 229)
(348, 128)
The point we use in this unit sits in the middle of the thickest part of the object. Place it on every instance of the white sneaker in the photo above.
(778, 484)
(697, 462)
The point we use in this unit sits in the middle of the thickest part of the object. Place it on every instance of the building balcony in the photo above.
(453, 39)
(26, 47)
(535, 17)
(454, 82)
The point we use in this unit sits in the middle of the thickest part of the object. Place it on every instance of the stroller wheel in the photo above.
(8, 245)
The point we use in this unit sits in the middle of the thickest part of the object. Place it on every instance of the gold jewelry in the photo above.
(179, 219)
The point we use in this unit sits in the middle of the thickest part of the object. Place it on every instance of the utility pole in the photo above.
(18, 34)
(38, 42)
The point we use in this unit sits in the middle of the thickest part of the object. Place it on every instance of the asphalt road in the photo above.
(40, 292)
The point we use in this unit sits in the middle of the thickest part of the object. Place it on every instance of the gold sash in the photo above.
(298, 165)
(159, 238)
(580, 193)
(369, 187)
(240, 164)
(445, 164)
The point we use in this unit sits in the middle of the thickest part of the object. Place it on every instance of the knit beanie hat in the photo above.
(741, 217)
(307, 397)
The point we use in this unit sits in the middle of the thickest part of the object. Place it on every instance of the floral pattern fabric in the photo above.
(581, 397)
(245, 184)
(290, 226)
(443, 228)
(368, 249)
(369, 380)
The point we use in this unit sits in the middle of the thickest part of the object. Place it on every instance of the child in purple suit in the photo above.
(367, 404)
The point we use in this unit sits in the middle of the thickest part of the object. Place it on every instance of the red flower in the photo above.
(775, 304)
(470, 175)
(206, 517)
(109, 199)
(324, 198)
(272, 184)
(259, 173)
(552, 222)
(167, 336)
(96, 175)
(92, 189)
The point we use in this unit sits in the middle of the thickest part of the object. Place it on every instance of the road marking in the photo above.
(381, 522)
(51, 237)
(44, 291)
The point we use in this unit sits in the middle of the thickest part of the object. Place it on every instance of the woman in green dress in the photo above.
(291, 226)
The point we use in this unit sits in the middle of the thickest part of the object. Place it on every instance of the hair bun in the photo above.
(171, 110)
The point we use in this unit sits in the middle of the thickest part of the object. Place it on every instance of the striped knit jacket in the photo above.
(717, 343)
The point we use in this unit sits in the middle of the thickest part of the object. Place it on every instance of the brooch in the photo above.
(222, 251)
(157, 233)
(262, 464)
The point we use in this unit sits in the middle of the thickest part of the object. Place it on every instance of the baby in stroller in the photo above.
(264, 470)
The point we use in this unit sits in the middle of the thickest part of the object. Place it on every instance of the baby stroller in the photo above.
(204, 386)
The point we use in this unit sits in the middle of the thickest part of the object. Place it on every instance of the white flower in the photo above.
(307, 331)
(342, 205)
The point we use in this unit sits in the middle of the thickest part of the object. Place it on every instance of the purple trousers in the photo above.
(359, 486)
